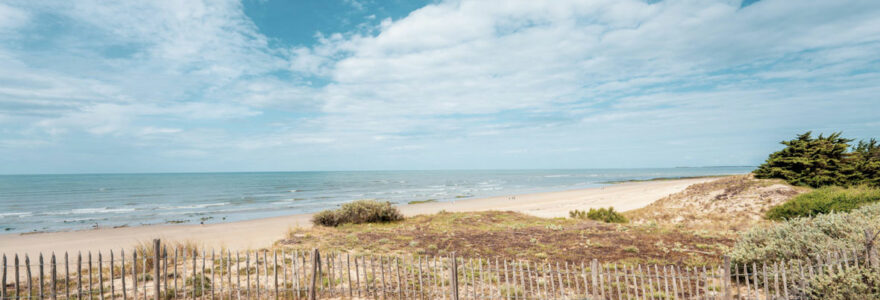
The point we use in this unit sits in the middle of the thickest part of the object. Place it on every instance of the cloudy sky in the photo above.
(271, 85)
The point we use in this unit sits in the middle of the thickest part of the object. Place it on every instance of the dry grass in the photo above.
(515, 235)
(732, 203)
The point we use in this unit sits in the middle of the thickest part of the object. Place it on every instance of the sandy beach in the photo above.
(261, 233)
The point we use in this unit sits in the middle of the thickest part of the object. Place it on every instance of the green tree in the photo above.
(812, 161)
(866, 157)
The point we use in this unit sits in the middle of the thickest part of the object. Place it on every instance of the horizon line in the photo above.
(368, 170)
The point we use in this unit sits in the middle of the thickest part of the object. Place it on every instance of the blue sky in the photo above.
(267, 85)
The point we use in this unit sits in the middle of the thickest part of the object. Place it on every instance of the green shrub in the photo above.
(852, 283)
(804, 238)
(824, 161)
(825, 200)
(357, 212)
(602, 214)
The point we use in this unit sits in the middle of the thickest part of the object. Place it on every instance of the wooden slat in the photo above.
(348, 273)
(213, 279)
(766, 281)
(421, 284)
(143, 272)
(436, 277)
(372, 280)
(382, 271)
(17, 283)
(100, 277)
(27, 266)
(112, 276)
(776, 279)
(400, 287)
(3, 279)
(165, 267)
(54, 277)
(134, 280)
(42, 278)
(784, 279)
(247, 267)
(238, 275)
(755, 281)
(122, 271)
(357, 276)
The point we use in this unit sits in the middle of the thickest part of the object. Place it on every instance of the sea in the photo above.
(40, 203)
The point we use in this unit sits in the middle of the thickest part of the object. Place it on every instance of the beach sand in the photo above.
(262, 233)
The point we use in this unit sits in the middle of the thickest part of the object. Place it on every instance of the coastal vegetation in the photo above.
(357, 212)
(602, 214)
(513, 235)
(824, 160)
(825, 200)
(804, 238)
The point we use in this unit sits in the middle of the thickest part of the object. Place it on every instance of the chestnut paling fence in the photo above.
(162, 273)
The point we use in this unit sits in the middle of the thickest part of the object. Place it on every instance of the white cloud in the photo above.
(467, 78)
(11, 18)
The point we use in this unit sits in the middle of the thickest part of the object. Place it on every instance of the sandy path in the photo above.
(263, 232)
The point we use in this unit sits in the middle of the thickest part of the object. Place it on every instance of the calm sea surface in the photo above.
(64, 202)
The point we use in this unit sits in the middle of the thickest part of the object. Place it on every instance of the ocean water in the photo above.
(69, 202)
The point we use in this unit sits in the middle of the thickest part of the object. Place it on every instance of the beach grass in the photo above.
(479, 234)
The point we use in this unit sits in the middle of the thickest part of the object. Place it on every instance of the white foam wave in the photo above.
(98, 210)
(16, 214)
(196, 206)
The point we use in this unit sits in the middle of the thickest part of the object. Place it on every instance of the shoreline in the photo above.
(260, 233)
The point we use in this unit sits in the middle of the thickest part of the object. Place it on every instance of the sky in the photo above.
(92, 86)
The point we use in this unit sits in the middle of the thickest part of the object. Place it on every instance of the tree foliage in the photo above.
(824, 160)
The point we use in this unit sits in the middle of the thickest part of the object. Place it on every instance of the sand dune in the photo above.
(263, 232)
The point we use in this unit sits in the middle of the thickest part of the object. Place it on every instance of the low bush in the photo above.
(357, 212)
(602, 214)
(851, 283)
(825, 200)
(804, 238)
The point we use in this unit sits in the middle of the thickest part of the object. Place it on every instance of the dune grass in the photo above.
(515, 235)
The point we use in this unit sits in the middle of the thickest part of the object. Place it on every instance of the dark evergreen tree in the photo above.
(811, 161)
(866, 157)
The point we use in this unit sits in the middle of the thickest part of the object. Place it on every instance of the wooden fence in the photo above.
(161, 273)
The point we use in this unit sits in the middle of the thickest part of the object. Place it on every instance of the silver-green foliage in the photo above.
(851, 283)
(804, 238)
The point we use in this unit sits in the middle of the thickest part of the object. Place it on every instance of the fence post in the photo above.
(454, 277)
(156, 281)
(594, 275)
(315, 261)
(726, 279)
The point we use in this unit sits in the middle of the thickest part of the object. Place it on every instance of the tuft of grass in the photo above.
(357, 212)
(825, 200)
(602, 214)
